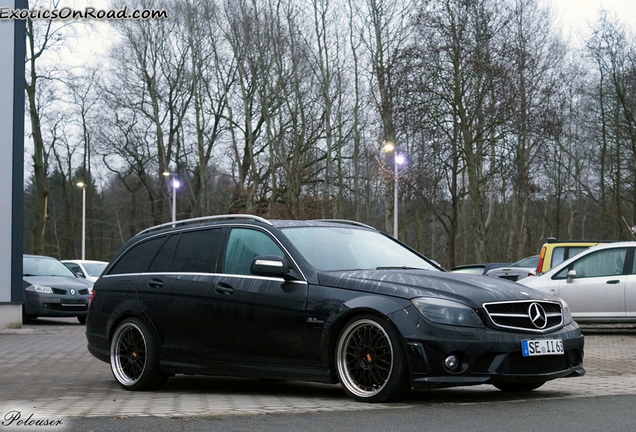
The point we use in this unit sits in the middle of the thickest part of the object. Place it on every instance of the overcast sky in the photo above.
(576, 14)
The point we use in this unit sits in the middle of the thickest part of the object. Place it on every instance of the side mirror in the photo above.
(571, 276)
(270, 265)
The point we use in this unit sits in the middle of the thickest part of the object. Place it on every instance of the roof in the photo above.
(211, 220)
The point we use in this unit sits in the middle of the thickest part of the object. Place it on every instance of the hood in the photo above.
(471, 290)
(62, 282)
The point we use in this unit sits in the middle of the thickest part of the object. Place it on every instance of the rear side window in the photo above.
(138, 258)
(243, 246)
(197, 251)
(560, 254)
(163, 260)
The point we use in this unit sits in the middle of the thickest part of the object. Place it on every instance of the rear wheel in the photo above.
(370, 361)
(25, 316)
(134, 358)
(512, 387)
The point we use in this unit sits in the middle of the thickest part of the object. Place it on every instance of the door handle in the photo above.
(612, 282)
(155, 283)
(222, 288)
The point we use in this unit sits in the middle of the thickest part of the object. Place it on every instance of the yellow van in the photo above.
(554, 252)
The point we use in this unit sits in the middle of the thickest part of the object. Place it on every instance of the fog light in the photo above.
(451, 362)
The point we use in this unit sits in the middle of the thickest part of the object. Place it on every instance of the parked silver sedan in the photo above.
(519, 270)
(599, 284)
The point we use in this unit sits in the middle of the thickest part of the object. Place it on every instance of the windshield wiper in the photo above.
(400, 268)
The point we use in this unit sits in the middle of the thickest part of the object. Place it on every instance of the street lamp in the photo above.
(83, 186)
(398, 159)
(175, 185)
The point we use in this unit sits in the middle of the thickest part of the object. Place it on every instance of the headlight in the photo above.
(447, 312)
(39, 289)
(567, 315)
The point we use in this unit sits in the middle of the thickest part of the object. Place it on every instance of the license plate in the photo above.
(542, 347)
(71, 302)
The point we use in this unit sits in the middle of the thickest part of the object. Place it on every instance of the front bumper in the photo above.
(55, 305)
(486, 355)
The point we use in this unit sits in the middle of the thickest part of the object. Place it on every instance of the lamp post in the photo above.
(175, 185)
(398, 159)
(83, 186)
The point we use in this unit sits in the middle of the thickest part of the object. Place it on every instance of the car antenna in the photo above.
(632, 230)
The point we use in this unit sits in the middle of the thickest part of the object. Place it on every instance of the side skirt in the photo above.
(249, 370)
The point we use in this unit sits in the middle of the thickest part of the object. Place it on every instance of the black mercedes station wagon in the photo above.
(327, 301)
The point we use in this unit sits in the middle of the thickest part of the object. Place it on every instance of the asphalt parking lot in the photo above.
(47, 370)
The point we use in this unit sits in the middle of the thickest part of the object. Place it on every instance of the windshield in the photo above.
(339, 248)
(94, 269)
(33, 266)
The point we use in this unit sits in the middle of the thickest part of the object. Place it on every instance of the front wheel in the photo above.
(370, 361)
(512, 387)
(81, 319)
(134, 358)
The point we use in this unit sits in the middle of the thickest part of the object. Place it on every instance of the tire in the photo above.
(370, 361)
(25, 316)
(81, 319)
(134, 358)
(512, 387)
(28, 318)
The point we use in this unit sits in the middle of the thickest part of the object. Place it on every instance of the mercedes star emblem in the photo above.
(537, 315)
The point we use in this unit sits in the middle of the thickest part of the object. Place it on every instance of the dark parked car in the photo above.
(52, 290)
(325, 301)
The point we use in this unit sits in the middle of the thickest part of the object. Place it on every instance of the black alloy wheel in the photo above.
(134, 356)
(370, 361)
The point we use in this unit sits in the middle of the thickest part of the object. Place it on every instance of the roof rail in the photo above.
(206, 218)
(345, 221)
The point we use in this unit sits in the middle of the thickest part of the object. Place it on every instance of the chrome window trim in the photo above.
(274, 279)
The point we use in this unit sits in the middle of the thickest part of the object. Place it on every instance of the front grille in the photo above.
(83, 292)
(516, 315)
(58, 291)
(516, 363)
(59, 307)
